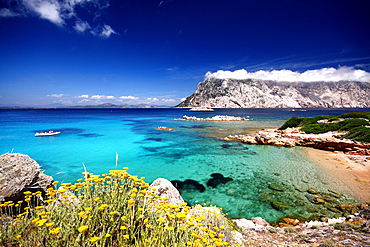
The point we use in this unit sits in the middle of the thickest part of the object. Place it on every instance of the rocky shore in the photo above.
(291, 137)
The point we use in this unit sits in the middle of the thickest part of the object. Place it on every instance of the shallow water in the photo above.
(194, 150)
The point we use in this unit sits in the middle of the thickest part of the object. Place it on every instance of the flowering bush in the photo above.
(114, 209)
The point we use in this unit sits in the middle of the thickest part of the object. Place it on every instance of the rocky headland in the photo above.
(291, 137)
(256, 93)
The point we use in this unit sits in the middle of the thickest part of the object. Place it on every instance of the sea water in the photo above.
(106, 139)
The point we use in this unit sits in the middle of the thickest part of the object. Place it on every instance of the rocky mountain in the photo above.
(255, 93)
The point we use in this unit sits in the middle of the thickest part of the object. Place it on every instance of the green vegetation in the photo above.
(115, 209)
(356, 124)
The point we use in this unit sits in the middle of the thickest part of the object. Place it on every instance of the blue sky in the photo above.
(81, 52)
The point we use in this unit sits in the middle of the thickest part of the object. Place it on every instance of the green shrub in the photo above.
(320, 128)
(351, 123)
(356, 114)
(361, 134)
(291, 123)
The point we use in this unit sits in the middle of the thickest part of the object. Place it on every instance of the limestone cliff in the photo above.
(255, 93)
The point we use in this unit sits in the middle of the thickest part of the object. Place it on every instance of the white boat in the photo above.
(47, 133)
(201, 108)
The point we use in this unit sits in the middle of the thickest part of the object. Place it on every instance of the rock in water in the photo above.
(19, 173)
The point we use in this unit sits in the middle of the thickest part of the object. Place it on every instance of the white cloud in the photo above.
(59, 11)
(102, 97)
(325, 74)
(128, 97)
(4, 12)
(56, 95)
(105, 32)
(47, 9)
(84, 96)
(81, 26)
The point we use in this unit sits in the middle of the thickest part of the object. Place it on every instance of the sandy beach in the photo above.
(352, 170)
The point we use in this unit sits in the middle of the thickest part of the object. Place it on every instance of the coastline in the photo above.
(352, 170)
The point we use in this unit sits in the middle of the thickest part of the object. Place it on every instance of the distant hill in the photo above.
(105, 105)
(255, 93)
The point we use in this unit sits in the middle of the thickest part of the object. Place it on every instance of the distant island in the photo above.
(105, 105)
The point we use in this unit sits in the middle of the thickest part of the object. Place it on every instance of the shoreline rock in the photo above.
(19, 173)
(291, 137)
(215, 118)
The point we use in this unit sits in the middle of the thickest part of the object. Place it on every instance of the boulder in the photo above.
(164, 189)
(19, 173)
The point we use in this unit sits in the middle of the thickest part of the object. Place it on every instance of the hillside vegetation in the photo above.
(356, 125)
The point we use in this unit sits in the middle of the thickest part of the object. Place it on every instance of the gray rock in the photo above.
(260, 221)
(164, 189)
(19, 173)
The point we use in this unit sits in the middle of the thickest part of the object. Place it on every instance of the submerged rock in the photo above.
(217, 179)
(275, 187)
(188, 185)
(281, 206)
(19, 173)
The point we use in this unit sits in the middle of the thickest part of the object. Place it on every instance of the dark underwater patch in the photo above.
(188, 185)
(88, 135)
(154, 139)
(150, 149)
(217, 179)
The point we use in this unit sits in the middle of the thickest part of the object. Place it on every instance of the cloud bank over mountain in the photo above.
(324, 74)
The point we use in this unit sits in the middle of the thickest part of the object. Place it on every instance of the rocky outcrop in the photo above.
(215, 118)
(19, 173)
(164, 189)
(293, 137)
(255, 93)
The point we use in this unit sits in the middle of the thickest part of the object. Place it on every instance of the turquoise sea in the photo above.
(193, 152)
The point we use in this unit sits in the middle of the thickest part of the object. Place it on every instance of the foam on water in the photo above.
(194, 150)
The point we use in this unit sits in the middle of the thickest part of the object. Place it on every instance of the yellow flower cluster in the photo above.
(114, 209)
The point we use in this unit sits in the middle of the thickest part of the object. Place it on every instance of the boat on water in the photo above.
(47, 133)
(201, 108)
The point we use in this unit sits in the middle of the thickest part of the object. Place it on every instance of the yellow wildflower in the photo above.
(41, 222)
(88, 209)
(161, 220)
(97, 199)
(94, 239)
(103, 206)
(82, 214)
(123, 228)
(107, 235)
(55, 230)
(18, 236)
(83, 228)
(50, 224)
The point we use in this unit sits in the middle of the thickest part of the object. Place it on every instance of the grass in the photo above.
(114, 209)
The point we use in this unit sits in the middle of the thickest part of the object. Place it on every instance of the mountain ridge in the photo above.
(256, 93)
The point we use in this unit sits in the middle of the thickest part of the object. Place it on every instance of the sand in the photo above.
(352, 170)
